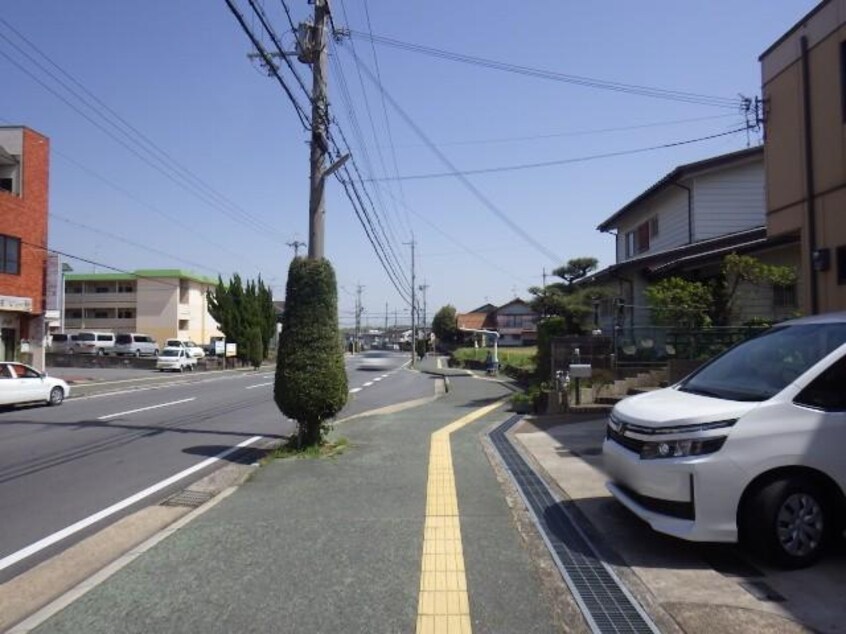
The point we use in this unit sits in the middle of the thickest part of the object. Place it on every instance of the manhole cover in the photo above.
(188, 498)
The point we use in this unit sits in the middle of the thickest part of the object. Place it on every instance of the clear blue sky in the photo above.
(178, 73)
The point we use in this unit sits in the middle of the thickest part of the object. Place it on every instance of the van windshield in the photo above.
(760, 368)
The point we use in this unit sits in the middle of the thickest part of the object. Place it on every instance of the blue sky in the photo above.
(179, 74)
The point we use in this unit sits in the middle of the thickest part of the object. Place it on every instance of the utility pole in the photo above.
(413, 307)
(544, 277)
(295, 245)
(314, 53)
(385, 338)
(423, 288)
(358, 311)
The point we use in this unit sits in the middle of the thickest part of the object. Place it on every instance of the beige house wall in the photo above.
(785, 152)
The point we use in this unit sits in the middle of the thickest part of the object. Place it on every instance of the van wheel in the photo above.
(137, 353)
(57, 395)
(788, 522)
(101, 352)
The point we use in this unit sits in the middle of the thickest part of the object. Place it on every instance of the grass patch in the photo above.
(328, 449)
(523, 358)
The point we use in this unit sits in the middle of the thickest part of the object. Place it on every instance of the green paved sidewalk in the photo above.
(331, 545)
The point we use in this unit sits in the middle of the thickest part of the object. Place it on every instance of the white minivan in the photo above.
(135, 344)
(99, 343)
(750, 447)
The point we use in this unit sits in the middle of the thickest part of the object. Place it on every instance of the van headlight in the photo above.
(681, 448)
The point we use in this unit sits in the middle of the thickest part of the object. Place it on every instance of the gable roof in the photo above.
(680, 172)
(485, 308)
(473, 321)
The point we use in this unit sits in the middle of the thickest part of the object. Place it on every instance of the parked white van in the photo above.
(99, 343)
(749, 447)
(135, 344)
(62, 342)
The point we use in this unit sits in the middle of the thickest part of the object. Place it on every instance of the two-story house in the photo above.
(515, 322)
(685, 224)
(804, 90)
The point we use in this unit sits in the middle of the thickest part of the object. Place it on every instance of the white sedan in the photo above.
(173, 358)
(20, 383)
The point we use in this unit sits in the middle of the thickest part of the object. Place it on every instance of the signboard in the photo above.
(23, 304)
(231, 349)
(53, 284)
(219, 347)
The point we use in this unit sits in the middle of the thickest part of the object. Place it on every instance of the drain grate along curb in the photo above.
(189, 498)
(605, 603)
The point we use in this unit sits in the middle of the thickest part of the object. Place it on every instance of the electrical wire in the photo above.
(581, 159)
(454, 170)
(589, 82)
(123, 132)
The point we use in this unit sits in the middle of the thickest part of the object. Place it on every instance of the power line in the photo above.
(129, 136)
(455, 172)
(581, 159)
(589, 82)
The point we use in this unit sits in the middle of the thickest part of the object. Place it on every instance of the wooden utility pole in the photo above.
(413, 308)
(317, 57)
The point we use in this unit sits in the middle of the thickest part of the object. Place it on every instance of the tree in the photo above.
(678, 302)
(445, 324)
(567, 300)
(311, 382)
(739, 269)
(238, 308)
(255, 351)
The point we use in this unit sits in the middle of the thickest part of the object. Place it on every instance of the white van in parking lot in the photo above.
(98, 343)
(135, 344)
(749, 447)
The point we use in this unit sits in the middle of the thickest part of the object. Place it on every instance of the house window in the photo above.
(630, 244)
(841, 265)
(9, 172)
(126, 313)
(125, 287)
(99, 313)
(10, 255)
(653, 227)
(183, 324)
(73, 313)
(102, 289)
(785, 296)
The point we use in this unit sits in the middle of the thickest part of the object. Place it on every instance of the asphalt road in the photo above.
(114, 440)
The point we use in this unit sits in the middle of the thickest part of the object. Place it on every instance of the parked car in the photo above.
(99, 343)
(20, 383)
(173, 358)
(62, 343)
(749, 447)
(135, 344)
(193, 349)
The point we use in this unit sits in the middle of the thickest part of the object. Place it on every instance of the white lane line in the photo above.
(368, 384)
(252, 387)
(41, 544)
(355, 389)
(377, 379)
(144, 409)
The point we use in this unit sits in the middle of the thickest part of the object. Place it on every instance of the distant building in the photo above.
(24, 178)
(164, 303)
(515, 322)
(804, 90)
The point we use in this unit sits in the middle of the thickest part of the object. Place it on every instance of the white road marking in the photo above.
(377, 379)
(368, 384)
(144, 409)
(252, 387)
(41, 544)
(355, 389)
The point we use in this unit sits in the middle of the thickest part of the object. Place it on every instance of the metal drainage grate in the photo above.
(189, 498)
(605, 603)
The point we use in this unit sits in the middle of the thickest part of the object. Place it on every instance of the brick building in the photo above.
(24, 175)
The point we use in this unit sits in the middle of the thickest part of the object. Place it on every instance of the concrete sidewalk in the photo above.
(335, 544)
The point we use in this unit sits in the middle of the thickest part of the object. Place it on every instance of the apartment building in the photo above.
(24, 176)
(163, 303)
(804, 91)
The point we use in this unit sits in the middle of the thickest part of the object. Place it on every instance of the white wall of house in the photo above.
(670, 208)
(729, 200)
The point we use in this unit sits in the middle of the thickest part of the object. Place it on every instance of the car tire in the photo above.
(57, 396)
(137, 354)
(788, 522)
(101, 352)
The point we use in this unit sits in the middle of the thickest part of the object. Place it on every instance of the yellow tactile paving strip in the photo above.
(443, 606)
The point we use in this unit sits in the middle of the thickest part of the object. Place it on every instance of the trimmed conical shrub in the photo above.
(311, 382)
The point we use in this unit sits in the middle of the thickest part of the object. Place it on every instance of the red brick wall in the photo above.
(25, 217)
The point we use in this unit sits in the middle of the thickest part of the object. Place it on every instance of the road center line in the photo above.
(252, 387)
(443, 604)
(144, 409)
(41, 544)
(355, 389)
(368, 384)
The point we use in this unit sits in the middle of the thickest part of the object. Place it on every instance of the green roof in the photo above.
(139, 273)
